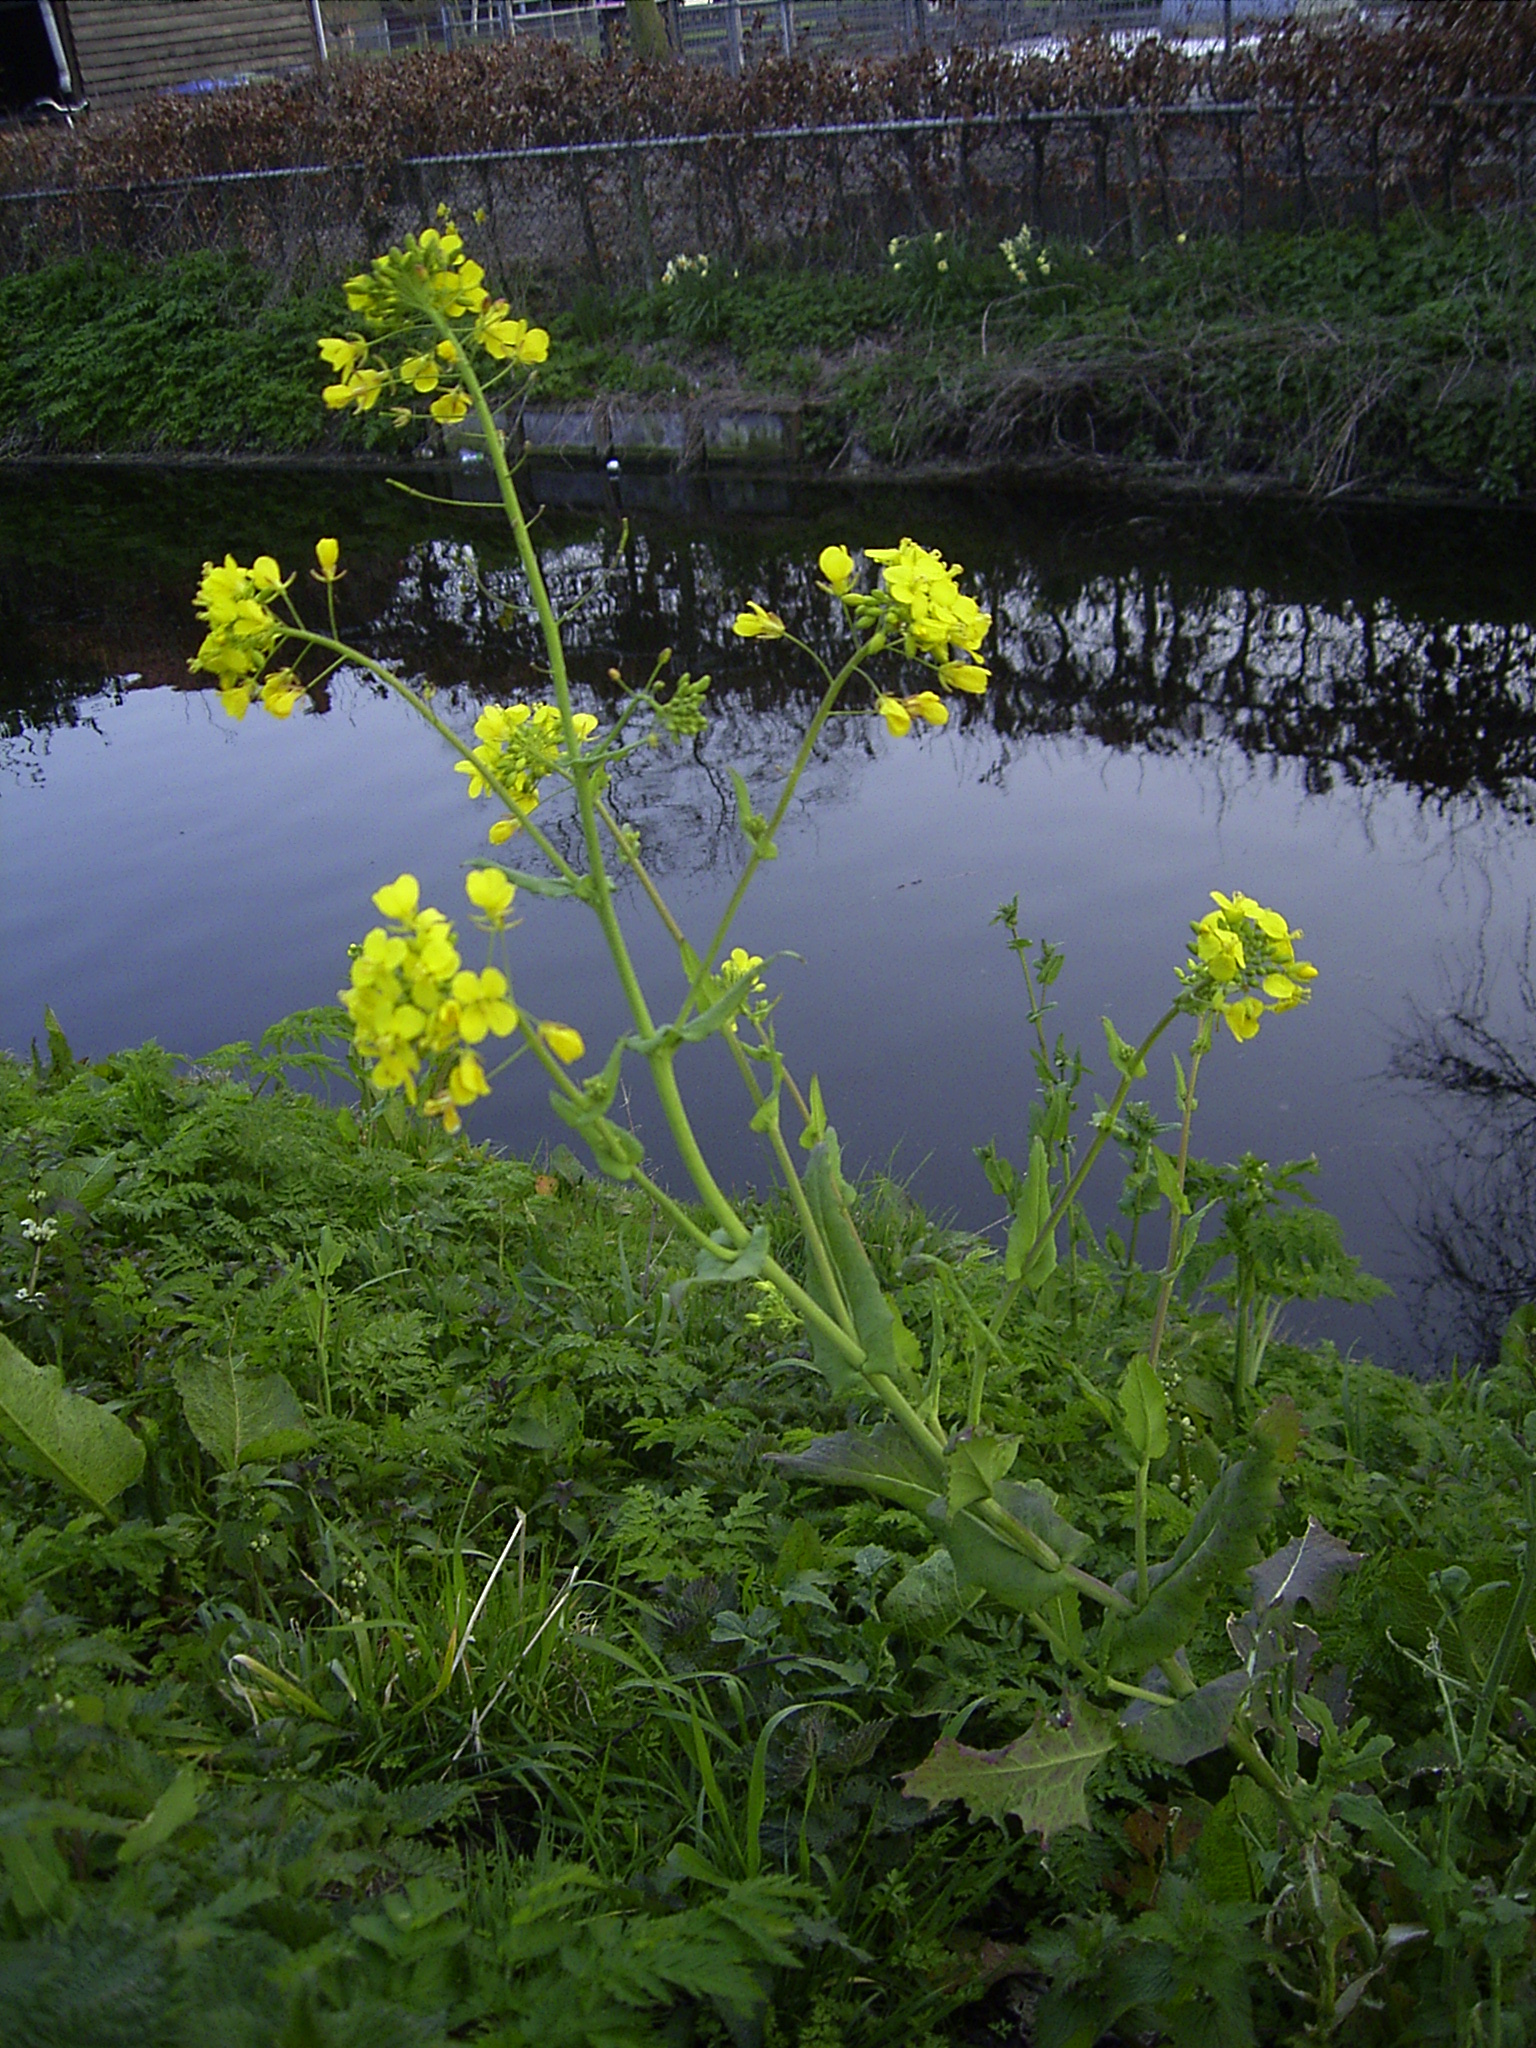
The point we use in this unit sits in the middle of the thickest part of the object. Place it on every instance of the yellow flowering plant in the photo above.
(432, 336)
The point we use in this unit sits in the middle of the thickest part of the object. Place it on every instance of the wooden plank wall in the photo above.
(127, 48)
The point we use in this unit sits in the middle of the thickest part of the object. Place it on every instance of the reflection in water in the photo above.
(1476, 1212)
(1340, 716)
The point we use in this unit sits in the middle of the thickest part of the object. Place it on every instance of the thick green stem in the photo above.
(1141, 1533)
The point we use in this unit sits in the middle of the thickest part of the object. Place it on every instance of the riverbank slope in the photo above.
(1331, 363)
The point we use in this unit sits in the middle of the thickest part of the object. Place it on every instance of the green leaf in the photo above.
(986, 1560)
(754, 827)
(1221, 1855)
(542, 885)
(1122, 1056)
(1041, 1778)
(883, 1460)
(816, 1129)
(1145, 1409)
(172, 1810)
(1025, 1259)
(1516, 1351)
(545, 1421)
(1166, 1169)
(61, 1059)
(876, 1325)
(926, 1601)
(1187, 1728)
(727, 1267)
(1365, 1811)
(38, 1874)
(74, 1441)
(235, 1414)
(1221, 1540)
(976, 1464)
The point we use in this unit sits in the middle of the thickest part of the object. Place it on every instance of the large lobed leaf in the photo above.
(1041, 1778)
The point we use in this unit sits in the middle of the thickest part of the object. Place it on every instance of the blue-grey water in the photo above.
(1335, 714)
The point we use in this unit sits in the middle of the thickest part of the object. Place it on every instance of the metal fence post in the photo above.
(787, 24)
(733, 37)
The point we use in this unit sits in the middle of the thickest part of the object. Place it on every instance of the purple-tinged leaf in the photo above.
(1041, 1778)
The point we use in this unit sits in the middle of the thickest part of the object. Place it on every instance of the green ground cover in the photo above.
(457, 1666)
(1321, 361)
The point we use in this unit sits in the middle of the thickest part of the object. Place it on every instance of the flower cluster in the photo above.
(926, 251)
(428, 295)
(235, 604)
(741, 966)
(916, 604)
(412, 1001)
(1242, 962)
(520, 745)
(244, 630)
(685, 266)
(1028, 264)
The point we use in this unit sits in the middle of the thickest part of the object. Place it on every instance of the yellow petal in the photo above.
(398, 899)
(490, 891)
(564, 1041)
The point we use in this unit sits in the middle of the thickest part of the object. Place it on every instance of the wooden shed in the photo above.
(120, 50)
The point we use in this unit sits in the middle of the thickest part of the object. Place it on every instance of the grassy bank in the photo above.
(457, 1666)
(1324, 362)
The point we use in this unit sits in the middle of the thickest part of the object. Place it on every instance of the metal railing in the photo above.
(731, 34)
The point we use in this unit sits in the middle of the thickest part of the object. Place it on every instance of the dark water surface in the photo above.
(1335, 714)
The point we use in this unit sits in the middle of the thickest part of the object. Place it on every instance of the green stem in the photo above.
(489, 776)
(824, 711)
(1261, 1770)
(640, 871)
(810, 1228)
(1141, 1532)
(1069, 1194)
(1175, 1209)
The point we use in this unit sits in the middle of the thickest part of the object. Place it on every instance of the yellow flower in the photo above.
(926, 705)
(564, 1041)
(280, 692)
(243, 630)
(1220, 947)
(421, 373)
(343, 353)
(235, 702)
(757, 624)
(1244, 958)
(398, 899)
(738, 964)
(327, 554)
(507, 339)
(361, 388)
(1243, 1017)
(964, 675)
(491, 893)
(450, 408)
(482, 1005)
(897, 717)
(466, 1083)
(836, 564)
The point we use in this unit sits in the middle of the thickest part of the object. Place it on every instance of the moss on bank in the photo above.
(1321, 362)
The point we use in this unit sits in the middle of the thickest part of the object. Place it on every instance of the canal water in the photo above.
(1333, 712)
